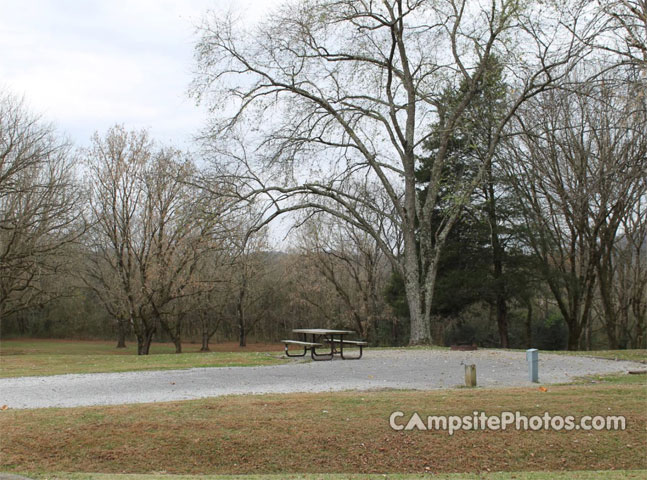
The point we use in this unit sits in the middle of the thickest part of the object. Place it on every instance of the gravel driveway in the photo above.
(401, 369)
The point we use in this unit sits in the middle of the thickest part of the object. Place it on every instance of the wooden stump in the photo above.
(470, 375)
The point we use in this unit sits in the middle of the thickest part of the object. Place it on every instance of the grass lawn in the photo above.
(346, 432)
(636, 355)
(572, 475)
(52, 357)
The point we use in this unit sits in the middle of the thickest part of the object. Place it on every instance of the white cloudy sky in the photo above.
(87, 64)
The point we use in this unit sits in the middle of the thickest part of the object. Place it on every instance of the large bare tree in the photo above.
(39, 206)
(151, 229)
(579, 171)
(324, 96)
(622, 272)
(629, 290)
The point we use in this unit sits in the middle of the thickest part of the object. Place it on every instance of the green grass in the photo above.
(414, 347)
(38, 357)
(617, 378)
(636, 355)
(103, 347)
(581, 475)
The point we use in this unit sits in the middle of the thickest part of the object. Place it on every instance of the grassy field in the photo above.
(572, 475)
(636, 355)
(344, 432)
(52, 357)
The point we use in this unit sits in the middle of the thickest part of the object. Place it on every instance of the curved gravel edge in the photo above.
(379, 369)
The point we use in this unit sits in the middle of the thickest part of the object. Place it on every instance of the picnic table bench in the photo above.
(320, 336)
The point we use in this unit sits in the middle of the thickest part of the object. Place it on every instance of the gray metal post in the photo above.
(532, 356)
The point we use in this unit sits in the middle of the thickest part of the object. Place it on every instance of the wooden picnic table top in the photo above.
(322, 331)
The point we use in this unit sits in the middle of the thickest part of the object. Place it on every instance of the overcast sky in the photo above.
(88, 64)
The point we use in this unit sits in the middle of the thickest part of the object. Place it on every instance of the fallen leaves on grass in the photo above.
(288, 433)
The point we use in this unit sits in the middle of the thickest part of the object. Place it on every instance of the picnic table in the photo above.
(319, 337)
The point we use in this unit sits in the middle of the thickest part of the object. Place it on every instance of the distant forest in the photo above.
(441, 175)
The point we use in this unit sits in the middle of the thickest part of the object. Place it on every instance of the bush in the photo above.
(551, 334)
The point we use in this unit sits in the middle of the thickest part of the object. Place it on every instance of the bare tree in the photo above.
(179, 229)
(151, 229)
(622, 31)
(212, 286)
(350, 260)
(39, 206)
(255, 281)
(116, 166)
(579, 169)
(333, 91)
(212, 309)
(627, 298)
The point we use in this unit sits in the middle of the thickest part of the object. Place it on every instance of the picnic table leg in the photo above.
(292, 355)
(304, 338)
(351, 358)
(314, 354)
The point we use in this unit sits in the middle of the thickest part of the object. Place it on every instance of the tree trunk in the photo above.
(144, 342)
(175, 333)
(529, 325)
(639, 338)
(240, 307)
(420, 333)
(242, 330)
(415, 247)
(177, 341)
(361, 329)
(502, 321)
(605, 285)
(497, 263)
(394, 331)
(575, 307)
(639, 310)
(206, 332)
(121, 333)
(574, 334)
(639, 331)
(612, 337)
(420, 328)
(205, 342)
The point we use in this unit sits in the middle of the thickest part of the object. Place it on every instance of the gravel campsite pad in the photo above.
(399, 369)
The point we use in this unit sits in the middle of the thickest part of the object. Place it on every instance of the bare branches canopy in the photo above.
(39, 209)
(325, 102)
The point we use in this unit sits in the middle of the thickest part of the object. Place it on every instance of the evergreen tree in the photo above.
(481, 257)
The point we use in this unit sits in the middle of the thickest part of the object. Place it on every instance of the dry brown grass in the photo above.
(336, 432)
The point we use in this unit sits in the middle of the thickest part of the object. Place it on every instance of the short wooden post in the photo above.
(470, 375)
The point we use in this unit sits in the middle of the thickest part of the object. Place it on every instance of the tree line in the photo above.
(452, 172)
